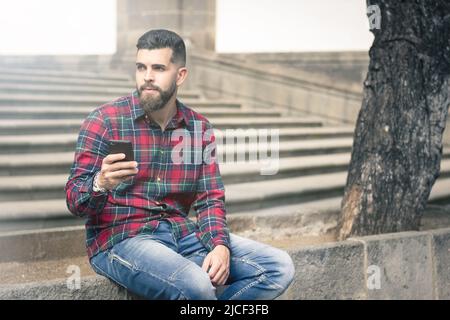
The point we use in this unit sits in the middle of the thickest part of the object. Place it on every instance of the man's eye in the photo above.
(140, 68)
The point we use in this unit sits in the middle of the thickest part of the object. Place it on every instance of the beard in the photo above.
(153, 103)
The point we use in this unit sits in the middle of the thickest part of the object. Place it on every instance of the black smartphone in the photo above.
(122, 146)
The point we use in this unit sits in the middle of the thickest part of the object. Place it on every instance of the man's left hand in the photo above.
(218, 264)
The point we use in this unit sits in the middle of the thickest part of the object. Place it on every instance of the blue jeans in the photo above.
(157, 266)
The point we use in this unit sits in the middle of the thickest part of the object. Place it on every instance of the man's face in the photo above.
(156, 78)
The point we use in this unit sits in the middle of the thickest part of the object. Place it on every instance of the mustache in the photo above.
(143, 87)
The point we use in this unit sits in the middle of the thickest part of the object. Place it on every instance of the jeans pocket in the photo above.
(120, 260)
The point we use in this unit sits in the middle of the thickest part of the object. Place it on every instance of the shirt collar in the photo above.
(139, 113)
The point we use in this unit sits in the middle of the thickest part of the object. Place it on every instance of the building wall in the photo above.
(194, 20)
(347, 66)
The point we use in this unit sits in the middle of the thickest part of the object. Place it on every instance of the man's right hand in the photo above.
(112, 172)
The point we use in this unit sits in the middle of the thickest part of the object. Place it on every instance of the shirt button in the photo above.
(159, 179)
(162, 152)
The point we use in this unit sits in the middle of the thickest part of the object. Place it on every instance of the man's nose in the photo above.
(149, 76)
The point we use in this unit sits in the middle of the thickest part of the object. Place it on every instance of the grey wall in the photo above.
(404, 265)
(348, 66)
(194, 20)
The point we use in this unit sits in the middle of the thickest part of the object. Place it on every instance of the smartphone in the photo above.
(122, 146)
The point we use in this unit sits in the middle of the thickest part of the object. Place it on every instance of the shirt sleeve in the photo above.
(209, 202)
(92, 147)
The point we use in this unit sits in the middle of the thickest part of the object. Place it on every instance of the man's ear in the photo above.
(181, 75)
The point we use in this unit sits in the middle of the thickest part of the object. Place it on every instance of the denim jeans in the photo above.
(157, 266)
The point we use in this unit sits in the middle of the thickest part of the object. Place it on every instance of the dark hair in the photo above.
(161, 38)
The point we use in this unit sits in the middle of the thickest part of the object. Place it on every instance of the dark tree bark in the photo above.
(397, 145)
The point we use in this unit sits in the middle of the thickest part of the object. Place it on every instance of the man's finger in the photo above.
(215, 267)
(222, 275)
(219, 275)
(123, 165)
(206, 263)
(122, 174)
(111, 158)
(224, 278)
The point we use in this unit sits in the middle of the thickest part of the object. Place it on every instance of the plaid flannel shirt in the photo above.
(162, 189)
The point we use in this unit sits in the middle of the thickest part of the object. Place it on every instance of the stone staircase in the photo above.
(41, 112)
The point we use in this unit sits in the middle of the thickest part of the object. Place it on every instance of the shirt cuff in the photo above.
(88, 187)
(211, 242)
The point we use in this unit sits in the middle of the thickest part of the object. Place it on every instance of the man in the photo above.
(137, 230)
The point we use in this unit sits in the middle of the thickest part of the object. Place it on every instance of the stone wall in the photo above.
(220, 77)
(347, 66)
(405, 265)
(194, 20)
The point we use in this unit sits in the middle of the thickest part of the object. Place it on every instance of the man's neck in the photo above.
(163, 115)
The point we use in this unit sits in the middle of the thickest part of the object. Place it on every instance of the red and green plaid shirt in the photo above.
(162, 189)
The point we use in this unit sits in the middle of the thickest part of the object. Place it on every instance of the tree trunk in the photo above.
(397, 145)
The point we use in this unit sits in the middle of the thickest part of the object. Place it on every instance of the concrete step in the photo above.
(110, 92)
(35, 164)
(314, 209)
(51, 186)
(64, 74)
(69, 99)
(293, 133)
(440, 194)
(286, 149)
(12, 100)
(266, 122)
(36, 215)
(234, 173)
(30, 187)
(33, 160)
(273, 193)
(34, 112)
(242, 200)
(43, 143)
(48, 80)
(32, 126)
(263, 194)
(60, 163)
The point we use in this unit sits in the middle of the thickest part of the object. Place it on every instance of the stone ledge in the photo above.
(411, 265)
(91, 288)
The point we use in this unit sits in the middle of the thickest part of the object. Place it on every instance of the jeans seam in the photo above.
(172, 276)
(137, 269)
(261, 278)
(251, 284)
(254, 264)
(165, 281)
